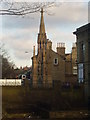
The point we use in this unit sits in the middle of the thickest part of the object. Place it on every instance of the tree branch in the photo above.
(22, 8)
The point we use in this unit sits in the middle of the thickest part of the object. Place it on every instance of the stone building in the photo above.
(48, 66)
(83, 48)
(71, 65)
(83, 55)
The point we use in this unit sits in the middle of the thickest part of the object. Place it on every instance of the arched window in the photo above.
(55, 61)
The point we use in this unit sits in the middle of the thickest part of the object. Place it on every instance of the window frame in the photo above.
(55, 59)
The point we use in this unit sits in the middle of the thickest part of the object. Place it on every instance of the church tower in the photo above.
(39, 61)
(42, 46)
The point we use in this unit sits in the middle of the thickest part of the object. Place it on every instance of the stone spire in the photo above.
(42, 26)
(42, 38)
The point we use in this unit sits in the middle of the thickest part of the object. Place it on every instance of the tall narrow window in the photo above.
(75, 70)
(55, 61)
(83, 52)
(80, 73)
(40, 44)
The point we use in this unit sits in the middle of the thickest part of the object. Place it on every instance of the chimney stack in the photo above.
(61, 49)
(49, 45)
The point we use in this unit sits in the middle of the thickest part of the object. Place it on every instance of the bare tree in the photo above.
(22, 8)
(6, 64)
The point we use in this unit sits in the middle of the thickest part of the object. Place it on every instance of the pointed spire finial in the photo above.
(42, 10)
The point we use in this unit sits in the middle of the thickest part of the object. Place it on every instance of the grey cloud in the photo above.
(66, 13)
(13, 22)
(71, 13)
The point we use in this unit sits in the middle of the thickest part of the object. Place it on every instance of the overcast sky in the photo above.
(20, 34)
